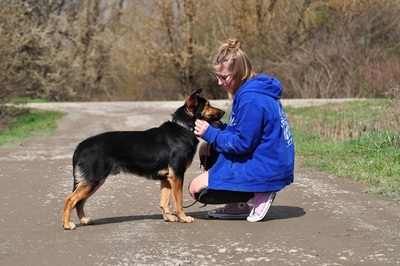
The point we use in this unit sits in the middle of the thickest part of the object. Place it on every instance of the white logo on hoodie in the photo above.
(285, 127)
(232, 121)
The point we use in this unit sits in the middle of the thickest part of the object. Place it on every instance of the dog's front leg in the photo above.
(165, 201)
(177, 185)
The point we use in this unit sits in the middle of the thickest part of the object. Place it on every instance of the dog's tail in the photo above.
(92, 174)
(78, 176)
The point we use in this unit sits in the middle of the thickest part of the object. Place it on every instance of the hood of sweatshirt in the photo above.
(262, 84)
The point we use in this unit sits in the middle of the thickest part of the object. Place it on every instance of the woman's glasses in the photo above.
(222, 78)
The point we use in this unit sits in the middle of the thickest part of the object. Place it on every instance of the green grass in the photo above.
(21, 100)
(25, 123)
(355, 140)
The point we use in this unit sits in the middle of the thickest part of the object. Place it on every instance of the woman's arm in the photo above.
(243, 134)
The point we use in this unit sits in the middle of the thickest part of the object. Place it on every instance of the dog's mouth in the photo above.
(211, 117)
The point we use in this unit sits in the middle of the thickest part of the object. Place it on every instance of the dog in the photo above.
(163, 153)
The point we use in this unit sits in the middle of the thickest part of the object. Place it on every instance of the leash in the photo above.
(188, 206)
(207, 154)
(204, 167)
(205, 157)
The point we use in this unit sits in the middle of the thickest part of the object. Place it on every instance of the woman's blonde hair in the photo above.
(236, 61)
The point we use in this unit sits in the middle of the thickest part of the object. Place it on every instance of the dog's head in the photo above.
(199, 107)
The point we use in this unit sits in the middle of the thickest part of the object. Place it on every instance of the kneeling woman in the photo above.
(256, 149)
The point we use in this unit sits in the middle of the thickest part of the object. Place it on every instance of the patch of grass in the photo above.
(354, 140)
(22, 123)
(23, 100)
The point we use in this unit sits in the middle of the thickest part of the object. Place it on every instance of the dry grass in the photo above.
(357, 140)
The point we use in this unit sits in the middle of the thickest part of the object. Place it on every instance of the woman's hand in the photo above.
(200, 126)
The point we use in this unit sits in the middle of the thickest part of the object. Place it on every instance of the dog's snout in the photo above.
(221, 113)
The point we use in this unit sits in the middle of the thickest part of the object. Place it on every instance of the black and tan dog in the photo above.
(163, 153)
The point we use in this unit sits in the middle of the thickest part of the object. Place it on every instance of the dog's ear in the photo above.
(191, 101)
(198, 91)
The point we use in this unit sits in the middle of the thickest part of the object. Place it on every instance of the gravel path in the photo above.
(318, 220)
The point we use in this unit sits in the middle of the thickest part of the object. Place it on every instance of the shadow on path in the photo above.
(278, 212)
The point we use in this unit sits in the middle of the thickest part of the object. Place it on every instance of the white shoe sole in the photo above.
(255, 218)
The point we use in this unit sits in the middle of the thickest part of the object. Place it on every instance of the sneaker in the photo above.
(261, 204)
(231, 211)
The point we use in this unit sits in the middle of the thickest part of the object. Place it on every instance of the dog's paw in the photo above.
(86, 221)
(69, 226)
(170, 218)
(186, 219)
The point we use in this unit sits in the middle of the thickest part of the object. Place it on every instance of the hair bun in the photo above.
(233, 44)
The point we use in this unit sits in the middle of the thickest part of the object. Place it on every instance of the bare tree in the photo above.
(152, 49)
(173, 43)
(59, 50)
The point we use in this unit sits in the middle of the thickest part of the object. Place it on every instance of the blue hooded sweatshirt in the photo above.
(256, 146)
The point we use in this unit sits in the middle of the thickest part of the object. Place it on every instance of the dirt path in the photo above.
(318, 220)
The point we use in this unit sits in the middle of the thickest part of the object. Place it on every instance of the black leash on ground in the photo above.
(190, 205)
(194, 204)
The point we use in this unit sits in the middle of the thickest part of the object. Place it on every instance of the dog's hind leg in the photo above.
(177, 185)
(165, 201)
(80, 193)
(81, 213)
(80, 205)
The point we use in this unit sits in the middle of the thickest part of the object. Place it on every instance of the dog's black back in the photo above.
(145, 153)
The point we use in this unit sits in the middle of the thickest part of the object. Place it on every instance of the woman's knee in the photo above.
(198, 183)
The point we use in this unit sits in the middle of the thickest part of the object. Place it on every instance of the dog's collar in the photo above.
(183, 124)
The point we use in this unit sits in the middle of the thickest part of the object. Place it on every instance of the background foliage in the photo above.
(159, 50)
